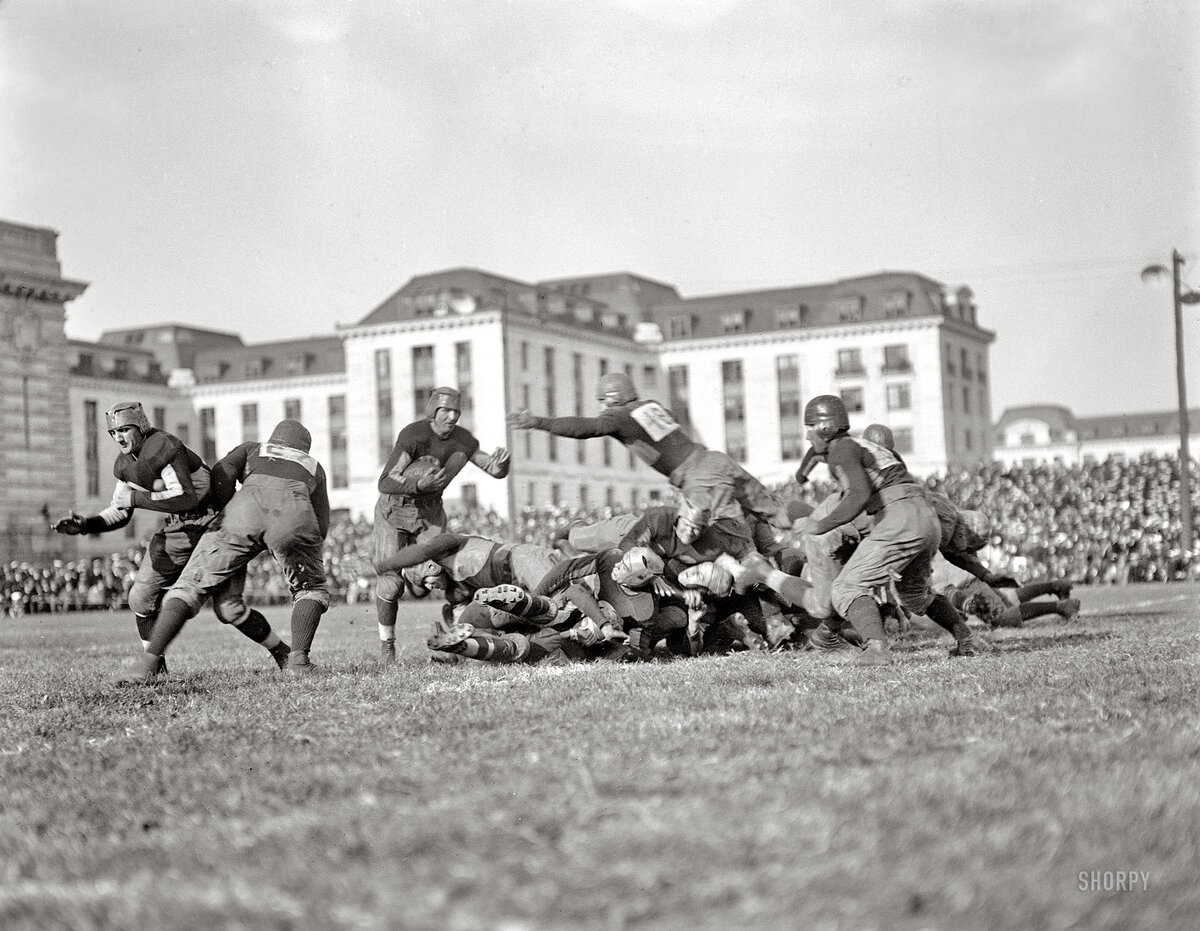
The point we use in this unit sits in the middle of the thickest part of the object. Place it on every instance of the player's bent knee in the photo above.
(389, 587)
(843, 595)
(231, 611)
(144, 599)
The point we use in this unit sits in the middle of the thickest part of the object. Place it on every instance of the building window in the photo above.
(524, 356)
(208, 434)
(950, 369)
(787, 318)
(182, 431)
(464, 380)
(583, 496)
(967, 438)
(527, 434)
(339, 464)
(966, 400)
(470, 496)
(734, 321)
(899, 397)
(966, 365)
(679, 327)
(385, 420)
(578, 393)
(734, 387)
(895, 359)
(249, 423)
(160, 418)
(649, 377)
(296, 363)
(291, 409)
(979, 372)
(849, 363)
(555, 493)
(791, 417)
(896, 303)
(677, 389)
(904, 439)
(853, 399)
(423, 379)
(847, 309)
(91, 447)
(551, 383)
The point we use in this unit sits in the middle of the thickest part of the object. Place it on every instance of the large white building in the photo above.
(899, 347)
(1041, 434)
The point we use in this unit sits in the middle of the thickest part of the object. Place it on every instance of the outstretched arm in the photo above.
(495, 464)
(577, 428)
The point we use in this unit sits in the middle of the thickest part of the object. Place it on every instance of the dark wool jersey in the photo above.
(594, 572)
(164, 457)
(272, 464)
(862, 469)
(418, 439)
(656, 529)
(646, 427)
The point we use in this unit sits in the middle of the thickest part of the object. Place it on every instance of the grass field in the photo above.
(749, 791)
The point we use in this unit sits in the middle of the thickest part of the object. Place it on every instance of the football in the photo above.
(422, 465)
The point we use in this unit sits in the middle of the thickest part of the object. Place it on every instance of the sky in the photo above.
(277, 168)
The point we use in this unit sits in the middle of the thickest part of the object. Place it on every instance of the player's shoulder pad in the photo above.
(160, 449)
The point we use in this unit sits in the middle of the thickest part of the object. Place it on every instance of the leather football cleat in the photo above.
(387, 652)
(149, 667)
(875, 653)
(1069, 608)
(447, 637)
(280, 653)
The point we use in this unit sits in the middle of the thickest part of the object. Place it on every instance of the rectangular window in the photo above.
(91, 447)
(385, 417)
(899, 397)
(578, 393)
(249, 423)
(182, 431)
(292, 409)
(849, 363)
(966, 400)
(847, 309)
(208, 435)
(979, 372)
(677, 388)
(791, 415)
(896, 303)
(524, 356)
(470, 496)
(787, 318)
(160, 418)
(527, 434)
(339, 463)
(679, 327)
(895, 359)
(551, 383)
(650, 378)
(465, 384)
(583, 496)
(950, 368)
(966, 365)
(734, 386)
(734, 321)
(555, 493)
(968, 439)
(423, 379)
(853, 399)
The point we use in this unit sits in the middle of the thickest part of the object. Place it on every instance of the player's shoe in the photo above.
(1061, 588)
(827, 641)
(1069, 608)
(299, 664)
(504, 597)
(875, 653)
(280, 653)
(150, 667)
(445, 637)
(387, 652)
(971, 646)
(779, 631)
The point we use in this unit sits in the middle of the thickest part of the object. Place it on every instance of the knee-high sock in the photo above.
(1039, 609)
(257, 628)
(942, 613)
(306, 615)
(145, 625)
(863, 614)
(496, 648)
(173, 614)
(1035, 590)
(385, 612)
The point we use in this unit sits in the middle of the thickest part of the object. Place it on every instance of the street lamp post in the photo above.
(1153, 274)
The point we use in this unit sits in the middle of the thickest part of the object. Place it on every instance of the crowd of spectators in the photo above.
(1107, 523)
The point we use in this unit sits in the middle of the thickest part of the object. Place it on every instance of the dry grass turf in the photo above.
(749, 791)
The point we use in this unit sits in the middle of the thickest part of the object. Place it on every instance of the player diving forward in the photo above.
(155, 471)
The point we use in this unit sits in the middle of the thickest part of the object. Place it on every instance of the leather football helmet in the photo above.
(126, 414)
(827, 416)
(880, 435)
(449, 398)
(616, 388)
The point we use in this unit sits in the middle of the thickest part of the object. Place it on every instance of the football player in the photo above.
(410, 507)
(282, 507)
(904, 533)
(712, 481)
(155, 471)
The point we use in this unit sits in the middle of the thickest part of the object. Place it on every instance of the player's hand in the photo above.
(694, 599)
(498, 462)
(71, 525)
(1001, 581)
(586, 633)
(123, 495)
(662, 588)
(521, 420)
(433, 481)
